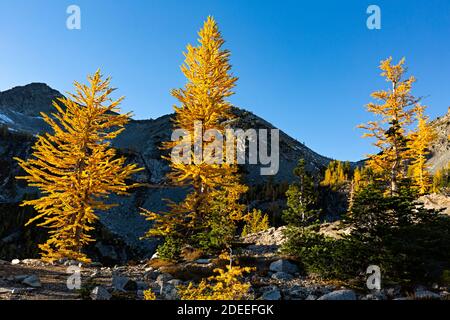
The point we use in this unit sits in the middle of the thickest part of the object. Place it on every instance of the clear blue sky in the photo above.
(306, 66)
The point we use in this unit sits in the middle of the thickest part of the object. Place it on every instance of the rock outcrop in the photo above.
(437, 201)
(440, 151)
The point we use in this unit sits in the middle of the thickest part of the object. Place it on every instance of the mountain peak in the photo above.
(33, 86)
(30, 99)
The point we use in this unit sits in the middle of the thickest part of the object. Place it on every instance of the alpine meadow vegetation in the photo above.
(75, 168)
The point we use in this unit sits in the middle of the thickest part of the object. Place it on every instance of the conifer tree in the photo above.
(437, 181)
(256, 221)
(336, 174)
(441, 180)
(396, 108)
(301, 198)
(227, 284)
(75, 167)
(362, 177)
(419, 143)
(357, 178)
(203, 100)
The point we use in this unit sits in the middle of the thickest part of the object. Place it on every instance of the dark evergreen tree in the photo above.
(301, 198)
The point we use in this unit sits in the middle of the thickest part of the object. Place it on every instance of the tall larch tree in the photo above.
(419, 143)
(362, 177)
(395, 110)
(213, 202)
(355, 186)
(75, 167)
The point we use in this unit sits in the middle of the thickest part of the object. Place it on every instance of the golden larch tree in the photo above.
(441, 180)
(395, 110)
(227, 284)
(357, 179)
(75, 167)
(215, 186)
(355, 186)
(362, 177)
(256, 221)
(336, 174)
(419, 143)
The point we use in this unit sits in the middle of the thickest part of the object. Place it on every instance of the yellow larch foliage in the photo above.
(362, 176)
(437, 178)
(357, 179)
(227, 284)
(203, 101)
(419, 143)
(441, 180)
(149, 295)
(395, 112)
(336, 174)
(255, 221)
(75, 167)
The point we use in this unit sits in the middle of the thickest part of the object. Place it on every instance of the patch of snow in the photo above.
(5, 119)
(22, 115)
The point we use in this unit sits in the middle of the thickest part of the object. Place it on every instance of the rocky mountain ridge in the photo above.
(20, 122)
(440, 151)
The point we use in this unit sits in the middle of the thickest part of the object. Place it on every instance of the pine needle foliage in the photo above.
(256, 221)
(211, 209)
(227, 284)
(75, 167)
(336, 174)
(441, 180)
(301, 198)
(149, 295)
(395, 110)
(419, 143)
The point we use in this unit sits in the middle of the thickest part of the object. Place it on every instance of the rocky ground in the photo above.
(437, 201)
(275, 278)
